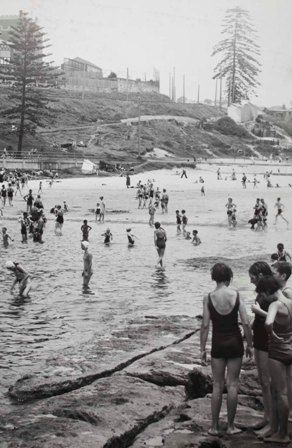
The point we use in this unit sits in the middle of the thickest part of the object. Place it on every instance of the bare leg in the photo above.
(284, 219)
(280, 408)
(233, 371)
(262, 363)
(218, 371)
(289, 382)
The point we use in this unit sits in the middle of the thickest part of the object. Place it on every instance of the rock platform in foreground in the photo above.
(152, 400)
(79, 366)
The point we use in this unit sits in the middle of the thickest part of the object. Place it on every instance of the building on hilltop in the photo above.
(6, 23)
(280, 113)
(80, 66)
(79, 74)
(242, 113)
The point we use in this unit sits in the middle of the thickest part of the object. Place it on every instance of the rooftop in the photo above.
(83, 61)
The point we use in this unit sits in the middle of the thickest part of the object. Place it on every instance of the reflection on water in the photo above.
(160, 278)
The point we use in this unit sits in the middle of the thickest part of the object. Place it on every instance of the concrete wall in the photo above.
(12, 164)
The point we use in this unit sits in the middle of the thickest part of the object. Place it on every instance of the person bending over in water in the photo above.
(131, 238)
(159, 242)
(87, 264)
(107, 237)
(222, 307)
(21, 277)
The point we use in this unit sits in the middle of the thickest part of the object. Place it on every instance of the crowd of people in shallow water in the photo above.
(268, 339)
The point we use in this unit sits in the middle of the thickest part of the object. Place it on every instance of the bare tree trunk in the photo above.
(21, 127)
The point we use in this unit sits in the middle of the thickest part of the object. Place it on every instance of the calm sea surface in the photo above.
(125, 282)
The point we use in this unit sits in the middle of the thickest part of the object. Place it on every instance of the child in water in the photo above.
(196, 240)
(131, 238)
(178, 221)
(6, 237)
(97, 212)
(85, 229)
(184, 221)
(188, 236)
(65, 206)
(107, 236)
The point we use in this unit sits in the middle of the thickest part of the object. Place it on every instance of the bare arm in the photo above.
(246, 327)
(258, 310)
(272, 313)
(204, 329)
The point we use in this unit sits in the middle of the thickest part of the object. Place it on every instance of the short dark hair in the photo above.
(260, 267)
(280, 246)
(157, 225)
(283, 267)
(183, 211)
(268, 284)
(221, 272)
(274, 257)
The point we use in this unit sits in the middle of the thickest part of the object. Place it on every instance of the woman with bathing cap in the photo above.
(21, 277)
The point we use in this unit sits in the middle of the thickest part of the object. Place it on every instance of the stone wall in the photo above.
(88, 81)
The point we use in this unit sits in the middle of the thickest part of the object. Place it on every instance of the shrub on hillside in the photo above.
(227, 126)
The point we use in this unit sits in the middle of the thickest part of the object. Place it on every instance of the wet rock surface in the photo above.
(80, 366)
(144, 387)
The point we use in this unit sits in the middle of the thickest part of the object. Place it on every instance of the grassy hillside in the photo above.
(95, 119)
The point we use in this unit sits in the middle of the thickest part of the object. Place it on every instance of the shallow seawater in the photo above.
(125, 283)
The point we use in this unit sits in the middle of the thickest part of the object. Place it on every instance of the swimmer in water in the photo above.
(151, 210)
(184, 221)
(6, 237)
(280, 209)
(21, 277)
(230, 207)
(283, 255)
(107, 237)
(131, 238)
(85, 229)
(87, 264)
(160, 242)
(196, 240)
(178, 222)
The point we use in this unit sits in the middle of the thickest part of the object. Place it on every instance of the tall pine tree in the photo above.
(238, 54)
(28, 75)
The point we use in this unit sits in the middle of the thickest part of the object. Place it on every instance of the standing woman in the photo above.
(159, 242)
(256, 272)
(222, 307)
(279, 328)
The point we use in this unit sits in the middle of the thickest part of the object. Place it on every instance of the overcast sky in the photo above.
(142, 34)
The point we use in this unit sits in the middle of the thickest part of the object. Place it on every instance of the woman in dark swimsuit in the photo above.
(159, 241)
(278, 323)
(257, 271)
(222, 307)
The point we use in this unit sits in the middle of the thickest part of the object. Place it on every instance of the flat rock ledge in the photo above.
(148, 391)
